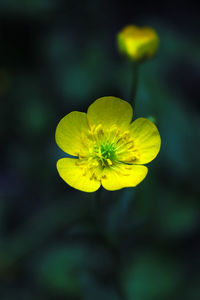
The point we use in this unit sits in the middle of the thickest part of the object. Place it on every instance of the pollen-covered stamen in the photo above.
(125, 148)
(88, 166)
(96, 132)
(113, 134)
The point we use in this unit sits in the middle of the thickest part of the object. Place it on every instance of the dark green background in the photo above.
(57, 242)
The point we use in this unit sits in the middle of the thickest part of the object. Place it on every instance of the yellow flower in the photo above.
(109, 150)
(138, 43)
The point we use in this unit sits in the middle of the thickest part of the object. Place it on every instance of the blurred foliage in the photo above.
(56, 242)
(151, 276)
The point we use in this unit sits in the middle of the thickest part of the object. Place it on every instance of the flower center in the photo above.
(107, 147)
(105, 154)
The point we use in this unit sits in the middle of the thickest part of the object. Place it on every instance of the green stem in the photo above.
(105, 239)
(98, 206)
(135, 76)
(128, 194)
(98, 199)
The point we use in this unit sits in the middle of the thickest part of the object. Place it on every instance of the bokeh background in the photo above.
(59, 243)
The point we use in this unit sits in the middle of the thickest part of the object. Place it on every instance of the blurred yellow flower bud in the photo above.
(138, 43)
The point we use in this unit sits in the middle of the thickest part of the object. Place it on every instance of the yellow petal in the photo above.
(147, 140)
(70, 133)
(110, 111)
(72, 173)
(122, 176)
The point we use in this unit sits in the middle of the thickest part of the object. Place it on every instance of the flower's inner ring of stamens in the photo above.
(108, 147)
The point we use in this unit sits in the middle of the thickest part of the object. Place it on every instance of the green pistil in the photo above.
(105, 153)
(108, 151)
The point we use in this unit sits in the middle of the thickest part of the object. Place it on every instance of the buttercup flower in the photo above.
(109, 150)
(138, 43)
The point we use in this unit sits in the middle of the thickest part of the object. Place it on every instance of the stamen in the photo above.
(81, 162)
(95, 164)
(93, 177)
(98, 129)
(109, 162)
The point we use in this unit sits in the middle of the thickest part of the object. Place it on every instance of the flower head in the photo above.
(109, 150)
(138, 43)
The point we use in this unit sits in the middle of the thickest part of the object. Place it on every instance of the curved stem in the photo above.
(135, 77)
(97, 207)
(98, 199)
(112, 246)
